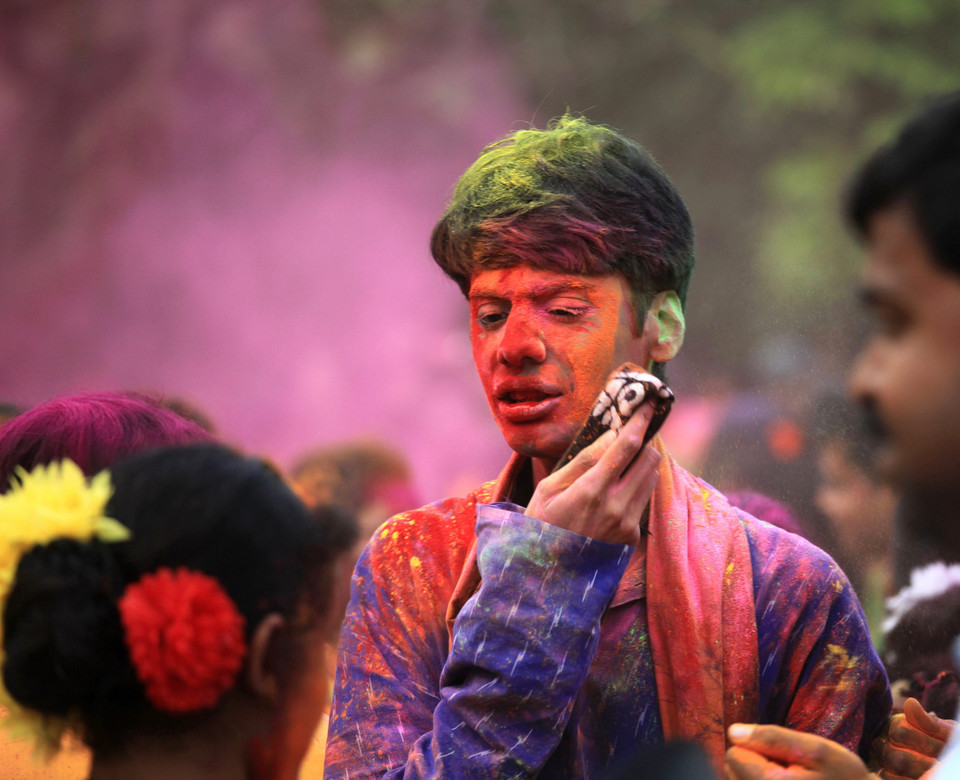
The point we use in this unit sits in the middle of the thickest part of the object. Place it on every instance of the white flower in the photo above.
(926, 583)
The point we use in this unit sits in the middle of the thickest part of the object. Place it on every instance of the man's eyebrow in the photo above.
(537, 291)
(484, 292)
(546, 289)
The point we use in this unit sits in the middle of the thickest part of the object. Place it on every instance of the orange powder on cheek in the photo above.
(591, 354)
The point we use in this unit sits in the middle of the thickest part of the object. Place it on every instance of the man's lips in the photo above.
(527, 411)
(525, 401)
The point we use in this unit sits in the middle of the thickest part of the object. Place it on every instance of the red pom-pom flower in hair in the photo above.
(185, 637)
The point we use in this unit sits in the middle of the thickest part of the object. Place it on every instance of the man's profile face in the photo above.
(544, 343)
(910, 370)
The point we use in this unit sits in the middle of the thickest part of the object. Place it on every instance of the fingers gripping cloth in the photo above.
(185, 636)
(50, 502)
(626, 390)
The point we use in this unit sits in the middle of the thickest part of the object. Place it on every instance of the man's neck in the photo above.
(541, 468)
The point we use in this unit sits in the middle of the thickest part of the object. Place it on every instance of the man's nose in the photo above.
(521, 339)
(860, 385)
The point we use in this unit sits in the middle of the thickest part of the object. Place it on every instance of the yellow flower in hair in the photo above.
(50, 502)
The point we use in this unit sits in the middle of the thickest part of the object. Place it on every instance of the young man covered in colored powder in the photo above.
(906, 204)
(628, 603)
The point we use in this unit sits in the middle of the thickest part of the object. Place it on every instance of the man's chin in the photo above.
(537, 449)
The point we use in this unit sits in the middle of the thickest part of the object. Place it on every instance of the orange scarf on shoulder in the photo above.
(700, 609)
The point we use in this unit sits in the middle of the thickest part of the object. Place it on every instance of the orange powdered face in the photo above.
(544, 344)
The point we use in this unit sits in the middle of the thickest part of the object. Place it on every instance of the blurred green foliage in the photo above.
(846, 74)
(759, 112)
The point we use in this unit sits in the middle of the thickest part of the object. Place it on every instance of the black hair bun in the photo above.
(63, 640)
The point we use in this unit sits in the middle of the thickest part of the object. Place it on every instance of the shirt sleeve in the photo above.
(497, 704)
(819, 672)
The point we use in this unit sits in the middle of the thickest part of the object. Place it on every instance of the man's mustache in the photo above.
(872, 423)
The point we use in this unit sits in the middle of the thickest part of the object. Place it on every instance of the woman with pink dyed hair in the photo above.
(170, 612)
(94, 430)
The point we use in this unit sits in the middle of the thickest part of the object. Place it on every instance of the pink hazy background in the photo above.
(214, 201)
(230, 202)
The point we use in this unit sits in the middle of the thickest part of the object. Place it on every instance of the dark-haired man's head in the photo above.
(921, 171)
(575, 253)
(576, 198)
(905, 203)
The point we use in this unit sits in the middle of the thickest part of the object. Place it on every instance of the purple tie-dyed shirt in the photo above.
(550, 672)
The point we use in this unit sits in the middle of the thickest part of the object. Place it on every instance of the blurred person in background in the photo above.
(905, 203)
(860, 506)
(353, 487)
(760, 448)
(512, 632)
(190, 411)
(94, 430)
(170, 612)
(369, 478)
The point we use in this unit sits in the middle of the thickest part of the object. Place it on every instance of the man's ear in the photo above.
(665, 326)
(262, 672)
